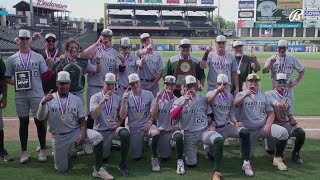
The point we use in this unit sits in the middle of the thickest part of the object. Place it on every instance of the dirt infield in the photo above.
(311, 124)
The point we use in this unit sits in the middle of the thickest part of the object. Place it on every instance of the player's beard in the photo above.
(238, 55)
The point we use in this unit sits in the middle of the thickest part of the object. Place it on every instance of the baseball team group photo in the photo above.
(148, 93)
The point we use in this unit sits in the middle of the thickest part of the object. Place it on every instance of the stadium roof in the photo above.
(161, 7)
(25, 6)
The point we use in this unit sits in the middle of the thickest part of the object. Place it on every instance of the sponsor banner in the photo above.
(311, 4)
(311, 14)
(279, 25)
(276, 11)
(292, 48)
(190, 1)
(162, 47)
(311, 23)
(152, 1)
(51, 5)
(173, 1)
(246, 5)
(246, 14)
(126, 1)
(207, 2)
(245, 23)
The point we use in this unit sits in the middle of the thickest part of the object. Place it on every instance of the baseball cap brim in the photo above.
(67, 81)
(129, 45)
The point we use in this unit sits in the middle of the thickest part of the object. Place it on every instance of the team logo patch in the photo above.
(185, 67)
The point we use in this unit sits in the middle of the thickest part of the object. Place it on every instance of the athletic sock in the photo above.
(23, 132)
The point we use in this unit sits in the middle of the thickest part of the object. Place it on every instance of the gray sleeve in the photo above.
(81, 112)
(94, 103)
(160, 59)
(151, 98)
(290, 110)
(233, 111)
(43, 65)
(209, 93)
(271, 98)
(9, 68)
(234, 64)
(153, 104)
(269, 107)
(90, 68)
(239, 94)
(297, 65)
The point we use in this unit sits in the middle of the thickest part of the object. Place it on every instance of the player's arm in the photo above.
(43, 110)
(95, 107)
(268, 65)
(240, 98)
(9, 80)
(270, 119)
(256, 64)
(3, 85)
(9, 71)
(90, 50)
(155, 107)
(124, 107)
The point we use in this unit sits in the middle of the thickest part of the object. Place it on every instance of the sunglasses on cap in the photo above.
(221, 43)
(222, 84)
(282, 81)
(50, 41)
(185, 46)
(125, 47)
(192, 85)
(63, 83)
(24, 38)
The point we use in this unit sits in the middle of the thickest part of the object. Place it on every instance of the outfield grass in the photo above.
(231, 166)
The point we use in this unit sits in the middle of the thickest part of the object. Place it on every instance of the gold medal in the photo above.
(109, 118)
(63, 117)
(238, 71)
(139, 115)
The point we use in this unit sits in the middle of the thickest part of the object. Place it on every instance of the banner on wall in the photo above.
(292, 48)
(246, 14)
(126, 1)
(311, 23)
(173, 1)
(207, 2)
(311, 4)
(190, 1)
(245, 23)
(246, 4)
(152, 1)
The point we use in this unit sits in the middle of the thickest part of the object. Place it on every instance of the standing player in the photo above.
(169, 129)
(284, 63)
(221, 62)
(222, 104)
(137, 105)
(246, 64)
(182, 65)
(109, 64)
(66, 116)
(128, 65)
(28, 67)
(192, 110)
(151, 65)
(3, 103)
(256, 114)
(104, 109)
(284, 117)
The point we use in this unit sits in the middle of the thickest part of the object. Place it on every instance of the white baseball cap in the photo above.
(24, 33)
(222, 78)
(282, 43)
(237, 43)
(191, 80)
(253, 76)
(134, 77)
(281, 76)
(221, 38)
(125, 42)
(106, 32)
(185, 41)
(110, 78)
(144, 35)
(170, 79)
(63, 76)
(50, 35)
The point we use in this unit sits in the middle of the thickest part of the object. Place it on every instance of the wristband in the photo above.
(205, 56)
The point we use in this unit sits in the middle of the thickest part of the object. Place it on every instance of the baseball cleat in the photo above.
(246, 166)
(24, 157)
(42, 155)
(216, 175)
(102, 173)
(180, 167)
(277, 161)
(296, 158)
(5, 156)
(123, 169)
(155, 166)
(226, 142)
(88, 148)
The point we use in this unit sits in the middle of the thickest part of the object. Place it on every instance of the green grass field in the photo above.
(231, 166)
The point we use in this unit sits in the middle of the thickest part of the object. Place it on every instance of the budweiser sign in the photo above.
(51, 4)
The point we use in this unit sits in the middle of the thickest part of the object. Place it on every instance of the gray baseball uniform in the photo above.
(150, 70)
(28, 99)
(253, 113)
(123, 82)
(194, 122)
(66, 132)
(137, 118)
(220, 65)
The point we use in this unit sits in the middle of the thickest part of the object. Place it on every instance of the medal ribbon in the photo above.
(223, 96)
(240, 62)
(254, 92)
(25, 65)
(282, 96)
(54, 56)
(109, 105)
(104, 48)
(137, 103)
(62, 109)
(222, 60)
(167, 95)
(283, 64)
(72, 60)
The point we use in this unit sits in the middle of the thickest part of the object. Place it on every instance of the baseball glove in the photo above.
(292, 122)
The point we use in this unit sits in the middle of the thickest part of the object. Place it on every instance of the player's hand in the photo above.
(82, 139)
(159, 94)
(99, 41)
(47, 98)
(115, 126)
(143, 61)
(3, 103)
(126, 94)
(36, 35)
(293, 83)
(236, 91)
(253, 57)
(187, 98)
(121, 56)
(247, 93)
(175, 128)
(221, 89)
(49, 61)
(200, 87)
(208, 49)
(106, 97)
(238, 124)
(265, 131)
(203, 64)
(273, 60)
(97, 59)
(147, 126)
(211, 128)
(149, 48)
(293, 122)
(280, 104)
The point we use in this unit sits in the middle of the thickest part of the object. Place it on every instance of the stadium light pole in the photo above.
(219, 17)
(31, 15)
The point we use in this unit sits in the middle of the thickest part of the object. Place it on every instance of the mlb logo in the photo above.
(22, 76)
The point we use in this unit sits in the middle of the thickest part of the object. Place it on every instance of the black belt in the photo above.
(148, 80)
(222, 126)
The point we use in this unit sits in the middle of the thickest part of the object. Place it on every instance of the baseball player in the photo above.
(221, 62)
(174, 65)
(192, 110)
(245, 64)
(257, 115)
(77, 67)
(104, 109)
(28, 67)
(66, 116)
(169, 128)
(3, 103)
(150, 64)
(128, 65)
(284, 117)
(110, 62)
(284, 63)
(222, 104)
(137, 105)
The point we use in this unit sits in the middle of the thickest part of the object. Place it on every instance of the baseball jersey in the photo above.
(109, 113)
(216, 66)
(223, 109)
(172, 63)
(109, 64)
(154, 64)
(74, 112)
(164, 121)
(37, 66)
(254, 110)
(194, 115)
(136, 118)
(2, 72)
(131, 67)
(291, 64)
(283, 113)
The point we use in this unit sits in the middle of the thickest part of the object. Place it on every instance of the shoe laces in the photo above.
(247, 166)
(155, 162)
